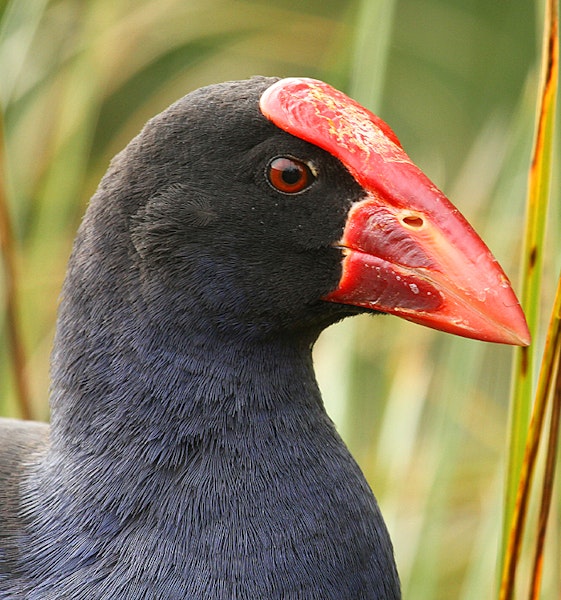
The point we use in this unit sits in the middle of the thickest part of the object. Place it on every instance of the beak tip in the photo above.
(522, 336)
(511, 324)
(512, 330)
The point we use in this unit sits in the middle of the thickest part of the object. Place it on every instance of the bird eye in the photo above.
(289, 175)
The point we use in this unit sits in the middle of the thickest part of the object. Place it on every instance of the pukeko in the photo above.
(189, 454)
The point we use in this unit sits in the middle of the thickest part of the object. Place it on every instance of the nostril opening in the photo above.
(413, 221)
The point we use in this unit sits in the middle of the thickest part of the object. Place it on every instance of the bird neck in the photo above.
(149, 392)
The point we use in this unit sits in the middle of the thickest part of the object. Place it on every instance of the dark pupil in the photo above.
(291, 175)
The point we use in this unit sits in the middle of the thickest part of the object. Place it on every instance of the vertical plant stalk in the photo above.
(546, 378)
(7, 248)
(553, 444)
(537, 205)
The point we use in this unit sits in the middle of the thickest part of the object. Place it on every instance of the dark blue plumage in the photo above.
(190, 455)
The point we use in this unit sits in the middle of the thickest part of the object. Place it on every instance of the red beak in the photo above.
(407, 250)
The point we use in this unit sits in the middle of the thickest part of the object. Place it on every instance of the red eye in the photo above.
(289, 175)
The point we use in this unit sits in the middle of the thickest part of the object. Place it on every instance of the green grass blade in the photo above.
(18, 27)
(534, 242)
(543, 393)
(14, 334)
(372, 44)
(553, 444)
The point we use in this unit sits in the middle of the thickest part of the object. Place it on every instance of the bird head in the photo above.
(269, 204)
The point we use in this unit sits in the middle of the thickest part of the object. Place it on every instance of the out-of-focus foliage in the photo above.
(424, 413)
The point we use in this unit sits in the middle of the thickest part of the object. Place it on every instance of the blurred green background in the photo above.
(424, 413)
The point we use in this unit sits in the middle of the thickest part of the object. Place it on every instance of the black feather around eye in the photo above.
(168, 217)
(193, 209)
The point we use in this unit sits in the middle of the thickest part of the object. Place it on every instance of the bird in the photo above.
(189, 453)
